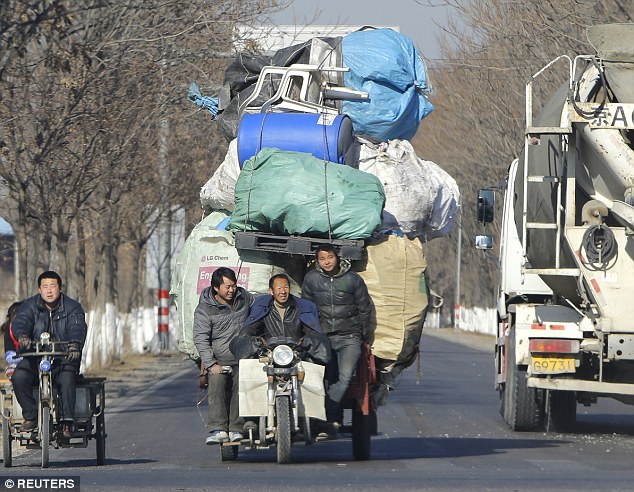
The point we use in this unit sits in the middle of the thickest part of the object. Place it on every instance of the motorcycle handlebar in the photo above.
(273, 342)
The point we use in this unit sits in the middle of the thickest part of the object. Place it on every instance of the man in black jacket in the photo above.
(282, 315)
(344, 311)
(64, 319)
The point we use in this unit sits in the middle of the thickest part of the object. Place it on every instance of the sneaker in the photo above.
(217, 437)
(322, 436)
(28, 426)
(235, 437)
(327, 431)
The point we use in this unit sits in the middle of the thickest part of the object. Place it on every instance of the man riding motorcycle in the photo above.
(282, 315)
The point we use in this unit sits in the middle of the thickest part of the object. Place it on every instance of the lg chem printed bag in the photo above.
(208, 248)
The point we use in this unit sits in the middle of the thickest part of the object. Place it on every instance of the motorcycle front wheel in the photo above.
(283, 433)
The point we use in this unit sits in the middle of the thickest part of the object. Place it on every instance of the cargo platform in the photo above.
(297, 245)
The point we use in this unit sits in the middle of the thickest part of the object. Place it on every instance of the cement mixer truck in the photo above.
(565, 309)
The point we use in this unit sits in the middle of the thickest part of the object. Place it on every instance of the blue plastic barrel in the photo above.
(299, 132)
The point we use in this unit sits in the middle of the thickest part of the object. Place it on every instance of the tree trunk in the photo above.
(80, 265)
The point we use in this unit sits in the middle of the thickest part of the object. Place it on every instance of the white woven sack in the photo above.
(421, 199)
(218, 192)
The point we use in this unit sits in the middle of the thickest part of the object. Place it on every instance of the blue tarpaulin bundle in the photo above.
(385, 64)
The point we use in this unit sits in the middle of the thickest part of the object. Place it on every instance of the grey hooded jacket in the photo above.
(215, 324)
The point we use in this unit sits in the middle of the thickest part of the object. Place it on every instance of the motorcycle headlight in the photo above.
(283, 355)
(45, 365)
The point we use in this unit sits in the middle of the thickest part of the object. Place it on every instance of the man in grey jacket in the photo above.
(221, 310)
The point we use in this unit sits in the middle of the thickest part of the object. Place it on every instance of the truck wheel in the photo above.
(561, 411)
(283, 433)
(228, 453)
(523, 410)
(6, 444)
(362, 429)
(502, 404)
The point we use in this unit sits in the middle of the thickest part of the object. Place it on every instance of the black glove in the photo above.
(24, 343)
(74, 354)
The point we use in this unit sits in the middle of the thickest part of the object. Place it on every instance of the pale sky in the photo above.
(415, 20)
(5, 228)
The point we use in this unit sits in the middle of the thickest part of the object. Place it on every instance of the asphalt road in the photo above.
(440, 433)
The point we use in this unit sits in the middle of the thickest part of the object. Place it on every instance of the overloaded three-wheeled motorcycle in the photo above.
(89, 410)
(285, 397)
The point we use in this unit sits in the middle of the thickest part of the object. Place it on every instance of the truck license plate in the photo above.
(553, 365)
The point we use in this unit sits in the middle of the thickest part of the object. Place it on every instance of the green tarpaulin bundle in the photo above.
(294, 193)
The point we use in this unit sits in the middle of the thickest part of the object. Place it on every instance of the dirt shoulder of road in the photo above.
(480, 341)
(135, 372)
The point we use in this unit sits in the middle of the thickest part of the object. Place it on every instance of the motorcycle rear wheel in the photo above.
(6, 443)
(362, 428)
(100, 439)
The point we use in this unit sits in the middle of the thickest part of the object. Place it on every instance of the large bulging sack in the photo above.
(205, 250)
(385, 64)
(218, 192)
(421, 199)
(395, 277)
(294, 193)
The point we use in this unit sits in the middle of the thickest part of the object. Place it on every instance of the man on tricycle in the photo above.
(63, 318)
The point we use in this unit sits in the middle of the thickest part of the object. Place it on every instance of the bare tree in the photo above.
(85, 90)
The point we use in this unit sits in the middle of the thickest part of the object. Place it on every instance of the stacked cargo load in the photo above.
(319, 152)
